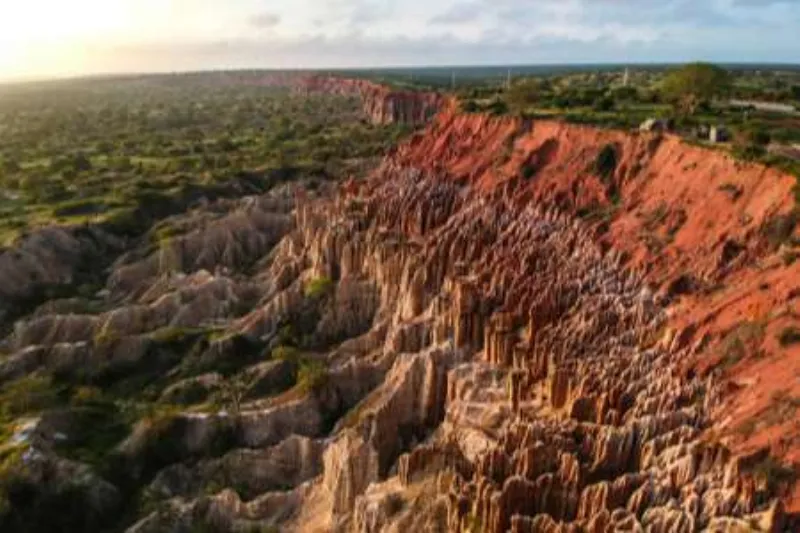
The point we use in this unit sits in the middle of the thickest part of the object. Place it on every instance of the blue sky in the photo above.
(57, 37)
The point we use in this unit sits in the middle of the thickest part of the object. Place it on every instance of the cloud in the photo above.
(460, 13)
(356, 50)
(351, 33)
(265, 20)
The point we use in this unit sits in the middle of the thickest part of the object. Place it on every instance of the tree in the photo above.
(695, 84)
(795, 90)
(603, 103)
(523, 94)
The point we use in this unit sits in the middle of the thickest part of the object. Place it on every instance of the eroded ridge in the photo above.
(487, 368)
(564, 407)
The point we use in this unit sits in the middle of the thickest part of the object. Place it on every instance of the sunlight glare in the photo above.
(35, 31)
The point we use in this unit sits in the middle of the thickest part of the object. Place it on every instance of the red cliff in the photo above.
(382, 104)
(711, 234)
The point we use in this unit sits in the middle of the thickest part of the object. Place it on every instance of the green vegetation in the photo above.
(319, 287)
(745, 338)
(775, 474)
(124, 155)
(690, 99)
(695, 85)
(103, 150)
(780, 228)
(789, 336)
(310, 373)
(28, 395)
(606, 162)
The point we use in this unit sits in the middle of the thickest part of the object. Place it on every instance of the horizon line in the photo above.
(21, 80)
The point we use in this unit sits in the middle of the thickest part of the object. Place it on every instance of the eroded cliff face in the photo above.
(516, 334)
(514, 376)
(564, 408)
(714, 236)
(382, 104)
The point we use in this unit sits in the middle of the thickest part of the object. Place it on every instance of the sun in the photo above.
(38, 34)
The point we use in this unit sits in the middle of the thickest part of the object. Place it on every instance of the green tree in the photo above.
(524, 94)
(694, 85)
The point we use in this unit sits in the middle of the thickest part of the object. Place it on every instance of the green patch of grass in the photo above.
(97, 428)
(28, 395)
(178, 335)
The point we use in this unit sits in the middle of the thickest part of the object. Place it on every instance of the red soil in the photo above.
(693, 220)
(382, 104)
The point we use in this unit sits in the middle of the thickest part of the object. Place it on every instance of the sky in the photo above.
(54, 38)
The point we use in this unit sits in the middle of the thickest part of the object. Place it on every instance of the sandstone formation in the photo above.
(47, 257)
(382, 104)
(444, 346)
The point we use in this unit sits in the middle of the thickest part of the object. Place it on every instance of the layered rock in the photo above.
(470, 357)
(382, 105)
(584, 421)
(45, 258)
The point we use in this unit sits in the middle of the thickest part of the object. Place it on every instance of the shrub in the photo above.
(604, 103)
(528, 170)
(286, 353)
(736, 343)
(789, 336)
(759, 137)
(312, 375)
(749, 152)
(176, 335)
(26, 395)
(497, 108)
(319, 287)
(779, 229)
(470, 106)
(86, 396)
(774, 473)
(524, 94)
(606, 162)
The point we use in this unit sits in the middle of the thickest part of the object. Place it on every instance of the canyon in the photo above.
(513, 325)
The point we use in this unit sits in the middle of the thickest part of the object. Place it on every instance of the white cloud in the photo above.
(191, 34)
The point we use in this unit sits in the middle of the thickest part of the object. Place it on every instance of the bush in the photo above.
(470, 106)
(741, 340)
(749, 152)
(528, 170)
(789, 336)
(606, 162)
(524, 94)
(319, 287)
(27, 395)
(604, 103)
(775, 474)
(286, 353)
(86, 396)
(779, 229)
(312, 375)
(759, 137)
(497, 108)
